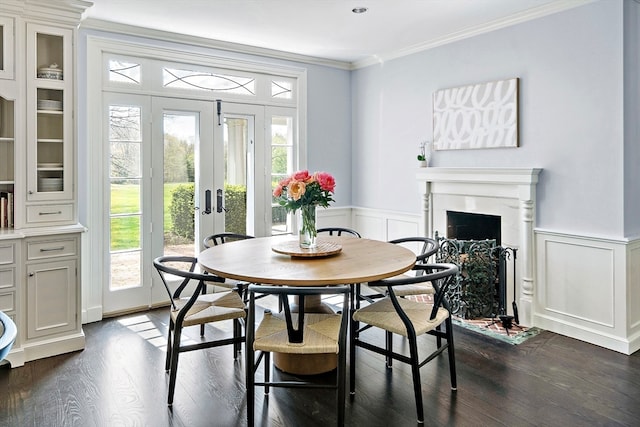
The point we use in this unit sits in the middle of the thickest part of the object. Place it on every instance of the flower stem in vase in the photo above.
(307, 223)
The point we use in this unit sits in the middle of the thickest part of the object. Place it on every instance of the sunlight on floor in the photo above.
(143, 326)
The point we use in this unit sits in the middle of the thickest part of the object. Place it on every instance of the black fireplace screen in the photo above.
(480, 289)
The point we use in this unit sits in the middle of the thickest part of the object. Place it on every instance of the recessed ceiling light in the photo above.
(359, 10)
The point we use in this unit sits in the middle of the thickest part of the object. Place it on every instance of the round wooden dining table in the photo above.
(277, 260)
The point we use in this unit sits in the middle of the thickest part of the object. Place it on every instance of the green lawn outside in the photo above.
(125, 199)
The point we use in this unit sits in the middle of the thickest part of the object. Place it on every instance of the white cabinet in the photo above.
(50, 142)
(40, 246)
(51, 294)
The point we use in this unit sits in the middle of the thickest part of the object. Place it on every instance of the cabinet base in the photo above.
(45, 348)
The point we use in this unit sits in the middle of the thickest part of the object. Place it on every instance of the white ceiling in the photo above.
(327, 28)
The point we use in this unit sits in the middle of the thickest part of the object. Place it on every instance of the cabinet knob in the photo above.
(30, 192)
(31, 274)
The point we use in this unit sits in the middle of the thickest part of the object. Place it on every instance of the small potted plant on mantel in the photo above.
(422, 157)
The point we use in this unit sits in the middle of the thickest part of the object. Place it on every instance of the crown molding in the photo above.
(64, 11)
(167, 36)
(534, 13)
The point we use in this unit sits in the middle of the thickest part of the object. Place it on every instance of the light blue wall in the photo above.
(328, 114)
(570, 67)
(329, 127)
(579, 108)
(632, 118)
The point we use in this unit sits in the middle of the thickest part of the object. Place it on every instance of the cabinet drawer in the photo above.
(7, 278)
(7, 301)
(48, 213)
(7, 252)
(51, 249)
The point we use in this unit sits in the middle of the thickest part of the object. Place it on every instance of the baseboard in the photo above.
(53, 346)
(92, 314)
(579, 332)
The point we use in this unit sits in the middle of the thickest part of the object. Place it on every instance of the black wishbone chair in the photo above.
(296, 333)
(196, 309)
(410, 319)
(338, 231)
(427, 247)
(220, 239)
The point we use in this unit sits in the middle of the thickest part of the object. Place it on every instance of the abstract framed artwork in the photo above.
(483, 115)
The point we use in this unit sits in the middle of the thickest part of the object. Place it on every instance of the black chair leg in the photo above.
(173, 369)
(167, 362)
(389, 346)
(353, 336)
(415, 370)
(342, 366)
(250, 380)
(237, 332)
(452, 354)
(267, 372)
(250, 368)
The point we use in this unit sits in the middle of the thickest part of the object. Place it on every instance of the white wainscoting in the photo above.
(588, 289)
(333, 217)
(384, 225)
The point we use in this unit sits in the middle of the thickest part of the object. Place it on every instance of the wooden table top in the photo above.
(254, 261)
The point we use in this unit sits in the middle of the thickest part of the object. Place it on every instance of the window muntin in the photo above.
(124, 72)
(175, 78)
(281, 89)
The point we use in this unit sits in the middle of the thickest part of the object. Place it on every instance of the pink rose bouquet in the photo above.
(302, 189)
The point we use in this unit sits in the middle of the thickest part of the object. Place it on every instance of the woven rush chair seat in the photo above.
(383, 314)
(321, 334)
(210, 308)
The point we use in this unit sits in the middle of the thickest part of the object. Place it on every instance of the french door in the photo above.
(180, 170)
(161, 163)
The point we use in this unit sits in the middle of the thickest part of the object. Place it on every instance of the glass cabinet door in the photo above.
(50, 139)
(6, 47)
(7, 136)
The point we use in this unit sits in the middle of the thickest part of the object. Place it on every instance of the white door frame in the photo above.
(91, 163)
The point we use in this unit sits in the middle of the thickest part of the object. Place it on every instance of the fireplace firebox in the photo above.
(473, 226)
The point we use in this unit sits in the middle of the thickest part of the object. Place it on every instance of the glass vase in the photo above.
(307, 226)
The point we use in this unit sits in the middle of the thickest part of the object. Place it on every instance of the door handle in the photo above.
(207, 202)
(219, 207)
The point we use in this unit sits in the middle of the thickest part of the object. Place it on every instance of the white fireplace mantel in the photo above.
(507, 192)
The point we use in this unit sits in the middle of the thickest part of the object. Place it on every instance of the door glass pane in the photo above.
(236, 141)
(125, 210)
(180, 137)
(281, 166)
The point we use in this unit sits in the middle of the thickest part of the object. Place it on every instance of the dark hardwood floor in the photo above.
(119, 380)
